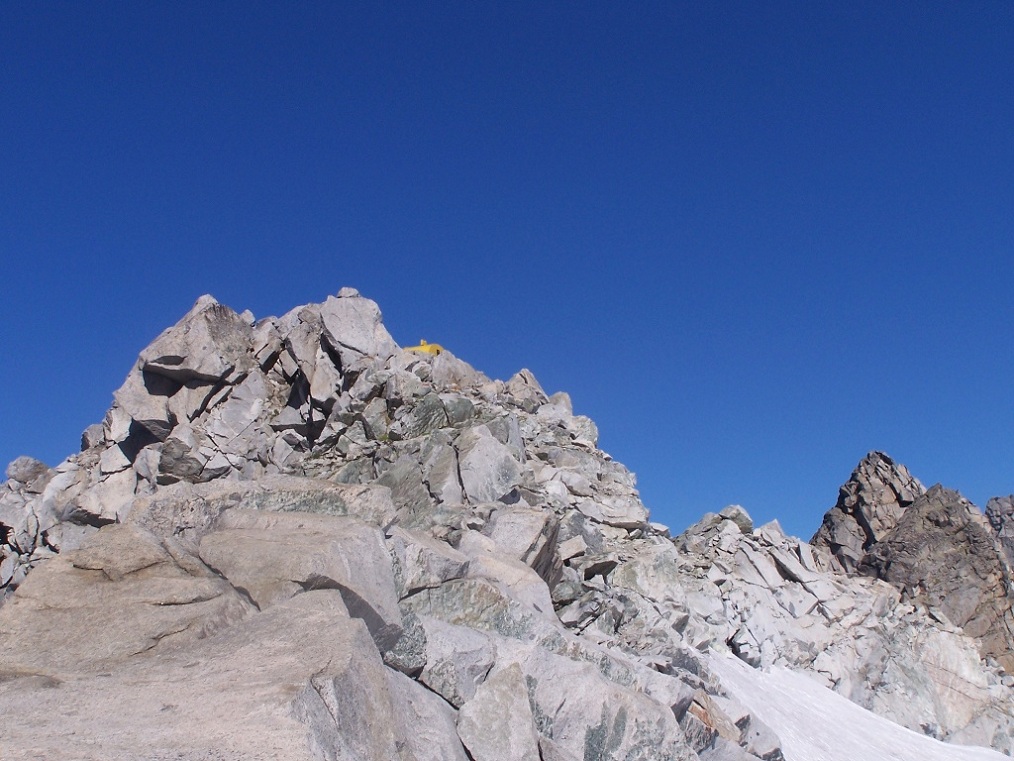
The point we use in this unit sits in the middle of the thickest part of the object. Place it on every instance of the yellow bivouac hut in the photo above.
(427, 348)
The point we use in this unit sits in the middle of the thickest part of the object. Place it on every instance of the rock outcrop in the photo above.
(1000, 514)
(766, 597)
(944, 554)
(870, 504)
(291, 539)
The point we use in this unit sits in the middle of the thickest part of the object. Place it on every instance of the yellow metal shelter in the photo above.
(425, 347)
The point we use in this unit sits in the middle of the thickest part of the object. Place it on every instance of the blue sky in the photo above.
(753, 241)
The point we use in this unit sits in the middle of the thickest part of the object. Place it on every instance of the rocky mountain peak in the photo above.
(870, 504)
(322, 391)
(291, 538)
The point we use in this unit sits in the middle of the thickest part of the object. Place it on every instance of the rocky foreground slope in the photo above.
(292, 539)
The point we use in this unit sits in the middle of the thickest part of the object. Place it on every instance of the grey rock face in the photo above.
(870, 504)
(944, 554)
(208, 344)
(291, 539)
(497, 724)
(353, 326)
(944, 557)
(1000, 514)
(488, 468)
(275, 556)
(458, 659)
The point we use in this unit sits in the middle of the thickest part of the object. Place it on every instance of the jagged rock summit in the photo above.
(870, 504)
(934, 546)
(291, 539)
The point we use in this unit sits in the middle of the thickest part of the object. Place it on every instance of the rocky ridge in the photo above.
(380, 553)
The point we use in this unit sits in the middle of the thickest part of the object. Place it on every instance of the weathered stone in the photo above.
(191, 510)
(181, 457)
(498, 493)
(354, 327)
(598, 564)
(193, 399)
(326, 380)
(488, 470)
(428, 724)
(452, 374)
(113, 460)
(507, 430)
(302, 331)
(92, 436)
(527, 392)
(479, 604)
(265, 343)
(107, 499)
(423, 562)
(405, 480)
(266, 687)
(943, 553)
(457, 660)
(458, 409)
(869, 505)
(522, 583)
(653, 574)
(585, 714)
(407, 652)
(529, 536)
(375, 419)
(209, 343)
(144, 398)
(704, 722)
(403, 388)
(1000, 514)
(739, 516)
(232, 427)
(440, 471)
(622, 512)
(274, 556)
(427, 415)
(497, 723)
(61, 616)
(572, 548)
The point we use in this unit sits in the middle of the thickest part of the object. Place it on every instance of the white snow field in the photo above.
(816, 724)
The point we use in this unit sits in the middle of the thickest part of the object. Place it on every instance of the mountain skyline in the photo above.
(752, 244)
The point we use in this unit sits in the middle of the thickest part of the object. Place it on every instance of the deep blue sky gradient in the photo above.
(752, 240)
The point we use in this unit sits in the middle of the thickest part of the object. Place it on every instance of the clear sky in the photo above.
(752, 240)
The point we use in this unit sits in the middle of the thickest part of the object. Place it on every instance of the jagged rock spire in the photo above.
(869, 505)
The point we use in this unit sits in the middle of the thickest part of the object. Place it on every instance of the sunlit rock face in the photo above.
(290, 538)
